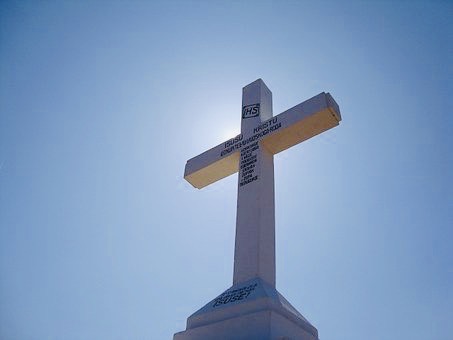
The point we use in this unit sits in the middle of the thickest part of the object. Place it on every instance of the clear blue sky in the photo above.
(102, 103)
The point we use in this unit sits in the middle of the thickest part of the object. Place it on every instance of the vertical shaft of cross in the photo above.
(254, 254)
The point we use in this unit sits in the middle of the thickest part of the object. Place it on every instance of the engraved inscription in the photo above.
(248, 164)
(250, 111)
(260, 131)
(234, 295)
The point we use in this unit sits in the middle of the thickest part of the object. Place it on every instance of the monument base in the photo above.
(248, 310)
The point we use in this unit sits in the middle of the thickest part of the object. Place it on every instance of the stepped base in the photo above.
(248, 310)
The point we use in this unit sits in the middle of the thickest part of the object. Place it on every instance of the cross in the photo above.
(251, 154)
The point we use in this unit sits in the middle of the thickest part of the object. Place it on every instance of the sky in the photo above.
(103, 102)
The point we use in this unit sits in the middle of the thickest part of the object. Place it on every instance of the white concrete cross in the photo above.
(251, 153)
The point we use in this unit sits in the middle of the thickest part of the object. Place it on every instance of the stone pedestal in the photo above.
(251, 310)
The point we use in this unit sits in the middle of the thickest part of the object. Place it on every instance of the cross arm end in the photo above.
(304, 121)
(209, 167)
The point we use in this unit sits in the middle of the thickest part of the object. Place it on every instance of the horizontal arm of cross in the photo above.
(278, 133)
(303, 121)
(211, 166)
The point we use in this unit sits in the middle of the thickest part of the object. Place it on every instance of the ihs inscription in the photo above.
(250, 111)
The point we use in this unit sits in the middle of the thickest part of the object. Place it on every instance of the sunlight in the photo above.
(229, 133)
